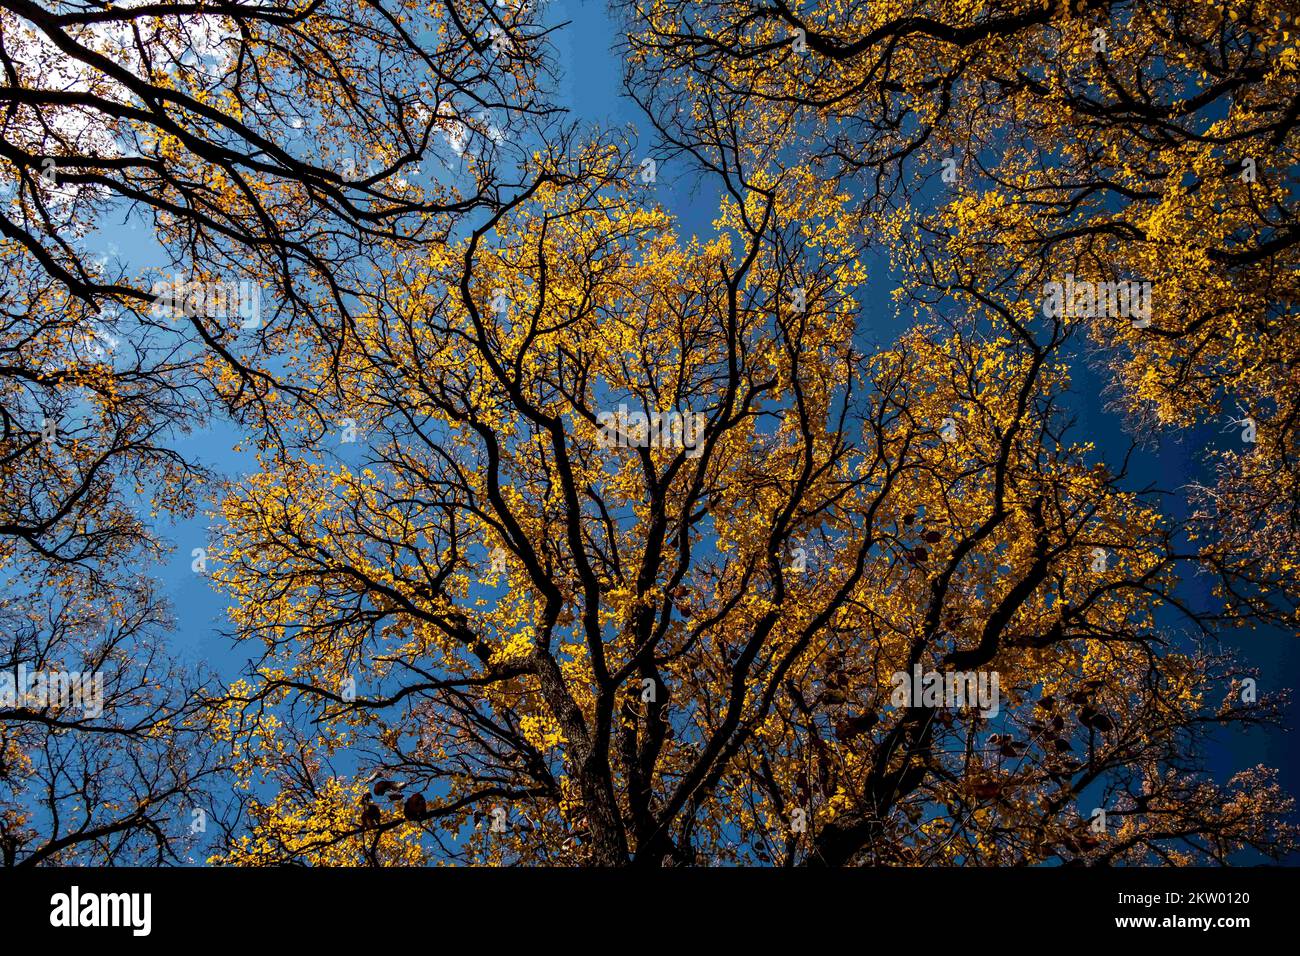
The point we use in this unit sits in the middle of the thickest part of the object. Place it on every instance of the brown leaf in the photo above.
(985, 789)
(415, 807)
(851, 727)
(370, 816)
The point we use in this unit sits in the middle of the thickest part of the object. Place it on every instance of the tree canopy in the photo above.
(578, 539)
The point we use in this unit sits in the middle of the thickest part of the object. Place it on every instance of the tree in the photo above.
(252, 155)
(1104, 141)
(576, 540)
(587, 627)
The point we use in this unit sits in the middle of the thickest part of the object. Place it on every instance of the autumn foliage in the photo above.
(484, 627)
